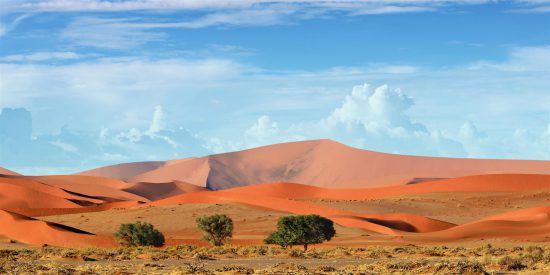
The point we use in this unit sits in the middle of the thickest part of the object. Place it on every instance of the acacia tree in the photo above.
(218, 228)
(139, 234)
(301, 230)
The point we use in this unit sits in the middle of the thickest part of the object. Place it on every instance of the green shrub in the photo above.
(301, 230)
(218, 228)
(139, 234)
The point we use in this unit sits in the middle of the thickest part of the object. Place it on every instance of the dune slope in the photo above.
(326, 163)
(31, 231)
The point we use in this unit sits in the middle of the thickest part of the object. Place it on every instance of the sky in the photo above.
(86, 83)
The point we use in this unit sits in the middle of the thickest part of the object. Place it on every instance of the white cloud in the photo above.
(469, 131)
(381, 111)
(366, 6)
(263, 128)
(40, 56)
(109, 33)
(157, 122)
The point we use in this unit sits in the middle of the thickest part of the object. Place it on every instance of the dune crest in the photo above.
(322, 163)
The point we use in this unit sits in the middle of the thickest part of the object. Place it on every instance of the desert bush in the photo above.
(325, 268)
(295, 253)
(301, 230)
(460, 267)
(139, 234)
(235, 269)
(196, 267)
(218, 228)
(406, 265)
(285, 268)
(510, 263)
(534, 254)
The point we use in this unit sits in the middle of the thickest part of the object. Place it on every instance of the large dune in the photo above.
(322, 163)
(32, 231)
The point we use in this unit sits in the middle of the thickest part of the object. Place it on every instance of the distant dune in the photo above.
(124, 171)
(4, 171)
(322, 163)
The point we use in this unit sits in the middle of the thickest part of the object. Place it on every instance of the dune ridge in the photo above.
(323, 163)
(4, 171)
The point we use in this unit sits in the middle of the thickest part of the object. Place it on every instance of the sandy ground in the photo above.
(456, 208)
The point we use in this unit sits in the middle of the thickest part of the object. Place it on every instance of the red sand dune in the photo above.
(4, 171)
(123, 171)
(36, 232)
(157, 191)
(323, 163)
(104, 188)
(477, 183)
(523, 223)
(21, 192)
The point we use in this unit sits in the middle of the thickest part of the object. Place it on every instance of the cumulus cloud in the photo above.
(262, 128)
(72, 150)
(381, 111)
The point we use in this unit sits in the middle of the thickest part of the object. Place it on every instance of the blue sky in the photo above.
(89, 83)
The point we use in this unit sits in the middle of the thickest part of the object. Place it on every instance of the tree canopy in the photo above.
(301, 230)
(139, 234)
(217, 228)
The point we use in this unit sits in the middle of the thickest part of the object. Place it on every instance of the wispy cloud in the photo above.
(106, 5)
(110, 33)
(40, 56)
(5, 28)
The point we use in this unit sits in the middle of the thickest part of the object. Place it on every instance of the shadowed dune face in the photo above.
(321, 163)
(157, 191)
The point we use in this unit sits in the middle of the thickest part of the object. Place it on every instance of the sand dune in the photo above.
(36, 232)
(325, 163)
(523, 223)
(4, 171)
(21, 192)
(476, 183)
(98, 187)
(123, 171)
(157, 191)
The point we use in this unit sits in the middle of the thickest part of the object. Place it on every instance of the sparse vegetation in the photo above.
(218, 228)
(301, 230)
(227, 259)
(139, 234)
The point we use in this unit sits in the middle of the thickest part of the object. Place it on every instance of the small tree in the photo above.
(301, 230)
(217, 228)
(139, 234)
